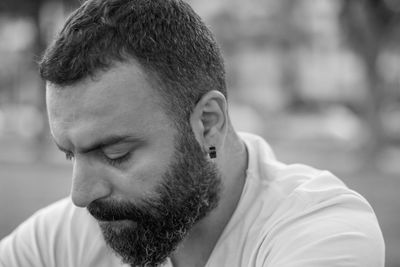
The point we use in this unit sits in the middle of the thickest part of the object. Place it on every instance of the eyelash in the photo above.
(117, 161)
(114, 162)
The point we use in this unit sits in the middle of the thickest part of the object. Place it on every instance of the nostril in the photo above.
(85, 191)
(79, 198)
(89, 183)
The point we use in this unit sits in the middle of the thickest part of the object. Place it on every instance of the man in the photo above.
(136, 99)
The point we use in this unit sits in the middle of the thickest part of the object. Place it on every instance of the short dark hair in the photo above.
(166, 37)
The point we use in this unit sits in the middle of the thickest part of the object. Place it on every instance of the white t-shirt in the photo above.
(288, 216)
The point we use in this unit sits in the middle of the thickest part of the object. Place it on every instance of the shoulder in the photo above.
(321, 222)
(295, 188)
(57, 219)
(53, 236)
(307, 217)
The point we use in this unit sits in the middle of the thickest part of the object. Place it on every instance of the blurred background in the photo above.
(320, 80)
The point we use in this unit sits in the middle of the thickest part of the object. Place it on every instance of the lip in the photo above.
(120, 223)
(106, 218)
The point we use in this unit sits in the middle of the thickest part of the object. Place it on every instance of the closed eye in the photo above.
(114, 161)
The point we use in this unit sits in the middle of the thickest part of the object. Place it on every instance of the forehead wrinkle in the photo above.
(121, 97)
(79, 129)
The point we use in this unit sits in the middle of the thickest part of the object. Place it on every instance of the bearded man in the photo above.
(136, 99)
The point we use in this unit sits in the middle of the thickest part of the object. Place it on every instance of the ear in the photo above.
(209, 120)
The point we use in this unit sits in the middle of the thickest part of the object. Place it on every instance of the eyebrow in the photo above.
(104, 142)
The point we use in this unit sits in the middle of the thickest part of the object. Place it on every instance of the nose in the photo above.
(88, 183)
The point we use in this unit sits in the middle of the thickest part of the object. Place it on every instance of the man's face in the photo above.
(145, 181)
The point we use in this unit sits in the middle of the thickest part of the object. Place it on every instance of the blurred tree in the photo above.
(270, 25)
(370, 27)
(32, 10)
(293, 36)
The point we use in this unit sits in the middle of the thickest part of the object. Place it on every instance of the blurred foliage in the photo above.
(292, 30)
(286, 57)
(372, 27)
(32, 11)
(30, 7)
(21, 7)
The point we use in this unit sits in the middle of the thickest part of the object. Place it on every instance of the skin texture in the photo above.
(122, 103)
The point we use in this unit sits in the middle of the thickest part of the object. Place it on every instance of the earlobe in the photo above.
(209, 119)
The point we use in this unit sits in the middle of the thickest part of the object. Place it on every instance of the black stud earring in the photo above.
(212, 152)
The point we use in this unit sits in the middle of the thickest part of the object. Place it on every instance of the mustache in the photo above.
(103, 210)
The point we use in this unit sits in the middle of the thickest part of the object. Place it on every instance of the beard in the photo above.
(146, 235)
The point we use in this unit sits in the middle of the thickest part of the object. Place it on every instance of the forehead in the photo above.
(120, 100)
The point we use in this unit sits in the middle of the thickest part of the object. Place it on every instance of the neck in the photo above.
(199, 244)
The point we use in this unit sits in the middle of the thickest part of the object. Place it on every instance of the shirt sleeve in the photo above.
(341, 233)
(48, 238)
(24, 246)
(59, 235)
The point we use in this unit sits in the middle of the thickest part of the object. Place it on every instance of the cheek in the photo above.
(142, 178)
(148, 165)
